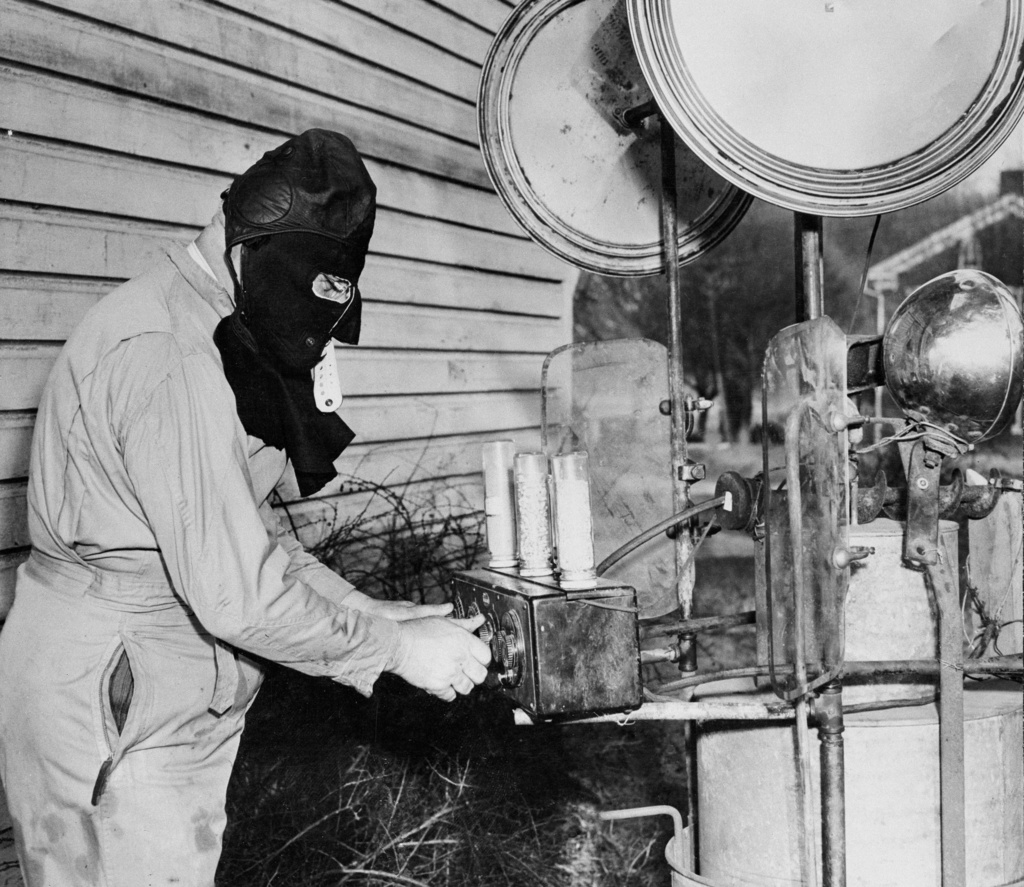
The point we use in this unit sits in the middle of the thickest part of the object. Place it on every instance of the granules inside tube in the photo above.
(499, 504)
(533, 514)
(574, 528)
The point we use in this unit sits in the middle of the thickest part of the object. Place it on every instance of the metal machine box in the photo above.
(556, 653)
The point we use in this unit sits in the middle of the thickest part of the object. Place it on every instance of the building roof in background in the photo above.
(990, 239)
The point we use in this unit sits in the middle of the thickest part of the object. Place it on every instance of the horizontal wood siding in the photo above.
(122, 123)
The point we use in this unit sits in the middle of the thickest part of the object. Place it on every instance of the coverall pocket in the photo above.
(120, 690)
(117, 692)
(118, 696)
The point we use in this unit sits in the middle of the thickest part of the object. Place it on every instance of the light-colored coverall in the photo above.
(152, 536)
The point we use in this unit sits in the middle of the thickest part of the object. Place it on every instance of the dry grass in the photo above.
(331, 789)
(401, 789)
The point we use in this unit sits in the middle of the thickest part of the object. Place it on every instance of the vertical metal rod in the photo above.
(810, 267)
(951, 728)
(810, 853)
(680, 486)
(809, 845)
(876, 433)
(670, 233)
(833, 785)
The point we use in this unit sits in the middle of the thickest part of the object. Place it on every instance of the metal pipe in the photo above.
(833, 785)
(684, 711)
(794, 507)
(701, 623)
(993, 665)
(874, 668)
(636, 115)
(684, 543)
(683, 516)
(803, 769)
(810, 267)
(661, 654)
(677, 399)
(952, 805)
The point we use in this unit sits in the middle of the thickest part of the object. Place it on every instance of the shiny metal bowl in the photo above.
(954, 353)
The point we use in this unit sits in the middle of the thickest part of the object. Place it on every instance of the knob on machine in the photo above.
(509, 650)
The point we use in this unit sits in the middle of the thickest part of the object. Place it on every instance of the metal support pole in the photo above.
(680, 483)
(810, 267)
(879, 331)
(951, 728)
(833, 785)
(677, 397)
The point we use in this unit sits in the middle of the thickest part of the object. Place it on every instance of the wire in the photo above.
(657, 529)
(915, 431)
(864, 274)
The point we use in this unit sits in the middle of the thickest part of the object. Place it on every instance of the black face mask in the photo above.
(276, 336)
(289, 315)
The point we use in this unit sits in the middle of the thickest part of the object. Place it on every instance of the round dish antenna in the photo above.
(836, 107)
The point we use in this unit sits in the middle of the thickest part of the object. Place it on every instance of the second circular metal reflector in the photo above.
(556, 82)
(836, 107)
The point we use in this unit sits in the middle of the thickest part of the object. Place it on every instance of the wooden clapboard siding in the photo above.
(85, 49)
(121, 124)
(385, 418)
(99, 245)
(376, 41)
(213, 32)
(26, 366)
(48, 306)
(459, 36)
(49, 172)
(313, 519)
(363, 371)
(15, 438)
(13, 516)
(9, 563)
(411, 460)
(488, 14)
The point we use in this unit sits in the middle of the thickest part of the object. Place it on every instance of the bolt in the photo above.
(665, 408)
(922, 483)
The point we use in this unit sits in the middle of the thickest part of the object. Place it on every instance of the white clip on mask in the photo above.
(326, 385)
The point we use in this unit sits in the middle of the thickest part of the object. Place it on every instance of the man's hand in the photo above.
(441, 656)
(397, 611)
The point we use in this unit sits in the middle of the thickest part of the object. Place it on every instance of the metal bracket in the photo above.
(922, 466)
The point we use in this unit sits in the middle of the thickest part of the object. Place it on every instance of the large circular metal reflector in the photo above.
(583, 184)
(836, 107)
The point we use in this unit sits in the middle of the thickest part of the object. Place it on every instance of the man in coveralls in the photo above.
(158, 568)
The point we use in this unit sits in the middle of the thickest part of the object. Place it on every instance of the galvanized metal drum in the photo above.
(751, 831)
(836, 107)
(586, 186)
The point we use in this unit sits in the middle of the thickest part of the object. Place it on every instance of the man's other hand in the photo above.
(397, 611)
(441, 656)
(403, 611)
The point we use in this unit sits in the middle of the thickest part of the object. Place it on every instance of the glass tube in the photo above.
(574, 528)
(533, 514)
(499, 504)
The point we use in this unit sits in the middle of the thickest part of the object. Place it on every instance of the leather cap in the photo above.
(314, 183)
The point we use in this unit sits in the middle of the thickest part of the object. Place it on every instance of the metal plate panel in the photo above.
(604, 397)
(836, 107)
(556, 81)
(805, 504)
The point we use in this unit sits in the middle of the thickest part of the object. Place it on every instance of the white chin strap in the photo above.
(326, 387)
